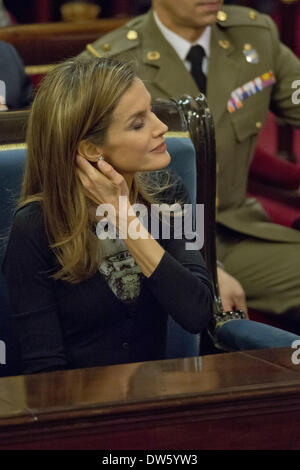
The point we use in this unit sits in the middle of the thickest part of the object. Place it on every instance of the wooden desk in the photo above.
(247, 400)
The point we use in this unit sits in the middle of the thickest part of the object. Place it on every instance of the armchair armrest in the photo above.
(275, 171)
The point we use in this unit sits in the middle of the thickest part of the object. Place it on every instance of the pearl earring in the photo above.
(100, 158)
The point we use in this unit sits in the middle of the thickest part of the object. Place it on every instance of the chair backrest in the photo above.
(191, 117)
(181, 343)
(13, 125)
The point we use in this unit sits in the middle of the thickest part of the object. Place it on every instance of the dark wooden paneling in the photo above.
(246, 400)
(48, 43)
(13, 125)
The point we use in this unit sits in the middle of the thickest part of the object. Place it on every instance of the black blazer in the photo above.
(19, 91)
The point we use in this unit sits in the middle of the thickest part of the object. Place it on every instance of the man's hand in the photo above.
(232, 294)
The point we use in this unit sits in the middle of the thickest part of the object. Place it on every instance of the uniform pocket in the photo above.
(249, 120)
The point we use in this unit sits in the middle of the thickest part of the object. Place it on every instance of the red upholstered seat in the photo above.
(274, 181)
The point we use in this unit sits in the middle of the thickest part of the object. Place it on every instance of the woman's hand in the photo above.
(103, 185)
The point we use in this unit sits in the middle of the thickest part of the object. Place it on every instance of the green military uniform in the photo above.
(266, 259)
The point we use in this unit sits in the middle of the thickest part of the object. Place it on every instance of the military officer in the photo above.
(245, 71)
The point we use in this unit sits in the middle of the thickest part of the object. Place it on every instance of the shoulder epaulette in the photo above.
(118, 41)
(232, 15)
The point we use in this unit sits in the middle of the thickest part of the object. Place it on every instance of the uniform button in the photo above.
(224, 43)
(132, 35)
(153, 55)
(125, 345)
(106, 47)
(258, 125)
(221, 16)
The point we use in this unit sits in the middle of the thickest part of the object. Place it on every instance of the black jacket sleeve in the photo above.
(182, 286)
(27, 268)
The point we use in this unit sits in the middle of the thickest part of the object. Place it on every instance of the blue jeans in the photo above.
(247, 334)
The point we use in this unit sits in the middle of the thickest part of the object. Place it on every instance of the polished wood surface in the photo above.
(242, 400)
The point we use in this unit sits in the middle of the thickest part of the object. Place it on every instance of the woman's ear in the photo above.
(88, 150)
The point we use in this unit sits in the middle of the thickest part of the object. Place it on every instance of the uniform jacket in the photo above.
(237, 30)
(18, 84)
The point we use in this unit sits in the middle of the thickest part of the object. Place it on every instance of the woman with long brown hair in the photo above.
(79, 299)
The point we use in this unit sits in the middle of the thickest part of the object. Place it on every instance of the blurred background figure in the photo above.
(264, 6)
(5, 19)
(36, 11)
(141, 6)
(79, 11)
(16, 88)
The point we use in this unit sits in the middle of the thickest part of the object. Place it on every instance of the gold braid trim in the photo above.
(13, 146)
(178, 134)
(92, 50)
(38, 69)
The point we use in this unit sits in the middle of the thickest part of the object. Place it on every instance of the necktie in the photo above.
(195, 57)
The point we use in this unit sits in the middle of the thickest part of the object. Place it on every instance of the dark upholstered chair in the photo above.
(191, 117)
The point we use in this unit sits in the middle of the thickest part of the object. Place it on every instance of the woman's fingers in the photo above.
(82, 176)
(82, 163)
(102, 184)
(108, 171)
(86, 183)
(89, 175)
(104, 169)
(86, 167)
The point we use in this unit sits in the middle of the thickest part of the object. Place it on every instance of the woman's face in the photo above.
(135, 138)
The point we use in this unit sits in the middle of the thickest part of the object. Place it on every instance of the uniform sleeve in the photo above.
(287, 73)
(27, 266)
(181, 285)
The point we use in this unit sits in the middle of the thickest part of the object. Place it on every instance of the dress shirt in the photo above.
(182, 46)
